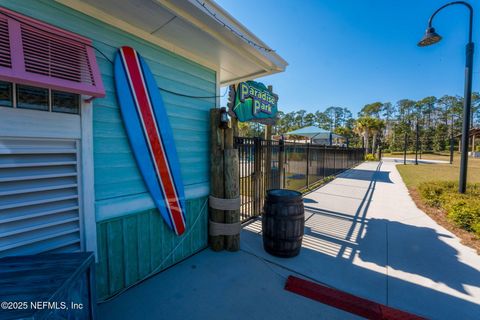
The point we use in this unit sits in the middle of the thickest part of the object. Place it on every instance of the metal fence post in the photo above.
(268, 157)
(281, 163)
(258, 174)
(308, 166)
(324, 160)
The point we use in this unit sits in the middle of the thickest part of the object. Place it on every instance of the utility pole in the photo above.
(451, 141)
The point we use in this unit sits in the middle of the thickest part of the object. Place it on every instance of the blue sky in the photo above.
(348, 53)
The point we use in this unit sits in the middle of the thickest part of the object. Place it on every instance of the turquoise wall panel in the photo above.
(133, 246)
(132, 239)
(116, 173)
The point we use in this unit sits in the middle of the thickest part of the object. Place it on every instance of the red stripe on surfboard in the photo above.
(345, 301)
(140, 91)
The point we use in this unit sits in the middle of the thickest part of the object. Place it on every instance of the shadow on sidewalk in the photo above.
(421, 251)
(337, 239)
(367, 175)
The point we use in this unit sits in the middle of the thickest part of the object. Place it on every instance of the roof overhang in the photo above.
(198, 30)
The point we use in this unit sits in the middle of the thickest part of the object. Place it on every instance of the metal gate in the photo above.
(259, 172)
(269, 164)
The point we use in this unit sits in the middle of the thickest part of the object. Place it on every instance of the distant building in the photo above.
(317, 135)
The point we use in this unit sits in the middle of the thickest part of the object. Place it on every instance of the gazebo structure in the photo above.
(319, 136)
(472, 137)
(472, 134)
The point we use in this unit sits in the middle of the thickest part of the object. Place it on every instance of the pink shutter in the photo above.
(5, 57)
(35, 53)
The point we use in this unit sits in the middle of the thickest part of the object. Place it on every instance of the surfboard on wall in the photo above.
(150, 135)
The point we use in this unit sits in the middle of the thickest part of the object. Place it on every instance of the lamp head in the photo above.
(430, 37)
(224, 118)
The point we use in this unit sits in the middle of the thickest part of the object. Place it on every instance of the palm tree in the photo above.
(363, 127)
(377, 127)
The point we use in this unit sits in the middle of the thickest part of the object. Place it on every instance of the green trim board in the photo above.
(113, 208)
(130, 247)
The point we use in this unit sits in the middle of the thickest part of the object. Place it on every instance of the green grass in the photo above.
(445, 156)
(414, 175)
(434, 186)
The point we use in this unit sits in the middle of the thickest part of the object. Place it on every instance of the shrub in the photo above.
(462, 209)
(476, 229)
(370, 157)
(464, 212)
(433, 192)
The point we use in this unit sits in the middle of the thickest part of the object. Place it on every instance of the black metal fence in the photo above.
(306, 164)
(269, 164)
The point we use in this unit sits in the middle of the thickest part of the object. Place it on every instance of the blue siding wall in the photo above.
(117, 178)
(114, 164)
(132, 239)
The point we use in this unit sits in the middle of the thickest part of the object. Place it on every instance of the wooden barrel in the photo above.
(283, 222)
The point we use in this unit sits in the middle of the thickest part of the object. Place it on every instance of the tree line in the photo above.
(439, 121)
(390, 125)
(331, 119)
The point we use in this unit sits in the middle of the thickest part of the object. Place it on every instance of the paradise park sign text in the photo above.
(252, 101)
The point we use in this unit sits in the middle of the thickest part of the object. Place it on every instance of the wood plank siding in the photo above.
(132, 239)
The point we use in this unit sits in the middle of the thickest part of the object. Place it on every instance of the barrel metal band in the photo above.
(224, 204)
(224, 229)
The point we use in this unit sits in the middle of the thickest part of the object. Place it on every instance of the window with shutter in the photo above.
(39, 196)
(38, 54)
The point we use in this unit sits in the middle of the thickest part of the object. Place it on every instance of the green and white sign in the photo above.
(252, 101)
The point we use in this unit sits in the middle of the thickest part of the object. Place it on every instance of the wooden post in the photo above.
(232, 181)
(234, 122)
(473, 145)
(216, 174)
(268, 155)
(268, 132)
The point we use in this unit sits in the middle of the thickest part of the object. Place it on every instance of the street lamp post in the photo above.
(431, 37)
(416, 142)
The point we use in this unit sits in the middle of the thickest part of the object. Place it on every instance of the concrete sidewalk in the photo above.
(363, 235)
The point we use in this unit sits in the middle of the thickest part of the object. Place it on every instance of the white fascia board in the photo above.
(267, 62)
(248, 77)
(239, 27)
(193, 12)
(100, 15)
